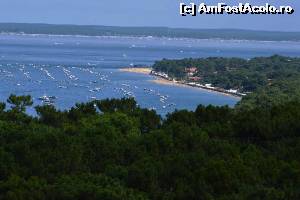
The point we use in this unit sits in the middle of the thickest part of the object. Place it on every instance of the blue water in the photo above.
(79, 69)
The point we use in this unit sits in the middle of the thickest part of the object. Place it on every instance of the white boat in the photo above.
(47, 98)
(43, 98)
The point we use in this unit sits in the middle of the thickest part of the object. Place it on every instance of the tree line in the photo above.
(113, 149)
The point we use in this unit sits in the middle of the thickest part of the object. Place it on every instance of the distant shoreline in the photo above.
(159, 32)
(141, 36)
(162, 81)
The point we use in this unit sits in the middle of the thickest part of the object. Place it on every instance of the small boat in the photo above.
(152, 108)
(52, 97)
(43, 98)
(48, 102)
(97, 89)
(47, 98)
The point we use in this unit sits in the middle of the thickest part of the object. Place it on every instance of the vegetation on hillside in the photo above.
(270, 80)
(112, 149)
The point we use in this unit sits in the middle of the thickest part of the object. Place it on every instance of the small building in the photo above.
(191, 70)
(232, 91)
(209, 86)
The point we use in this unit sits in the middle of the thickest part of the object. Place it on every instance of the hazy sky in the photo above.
(141, 13)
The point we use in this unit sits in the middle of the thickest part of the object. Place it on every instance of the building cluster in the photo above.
(217, 89)
(191, 74)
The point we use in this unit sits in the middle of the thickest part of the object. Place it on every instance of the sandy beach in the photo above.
(140, 70)
(167, 82)
(158, 80)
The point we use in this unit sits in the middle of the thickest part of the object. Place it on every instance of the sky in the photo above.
(143, 13)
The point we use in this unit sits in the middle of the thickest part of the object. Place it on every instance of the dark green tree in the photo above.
(19, 103)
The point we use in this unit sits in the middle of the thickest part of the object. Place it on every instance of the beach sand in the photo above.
(162, 81)
(139, 70)
(167, 82)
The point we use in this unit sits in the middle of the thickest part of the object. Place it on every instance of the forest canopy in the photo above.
(112, 149)
(266, 80)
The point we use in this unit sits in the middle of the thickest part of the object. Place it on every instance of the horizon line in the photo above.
(166, 27)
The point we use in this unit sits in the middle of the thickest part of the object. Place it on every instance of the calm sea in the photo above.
(79, 69)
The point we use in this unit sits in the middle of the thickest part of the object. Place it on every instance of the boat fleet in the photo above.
(162, 98)
(32, 78)
(47, 100)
